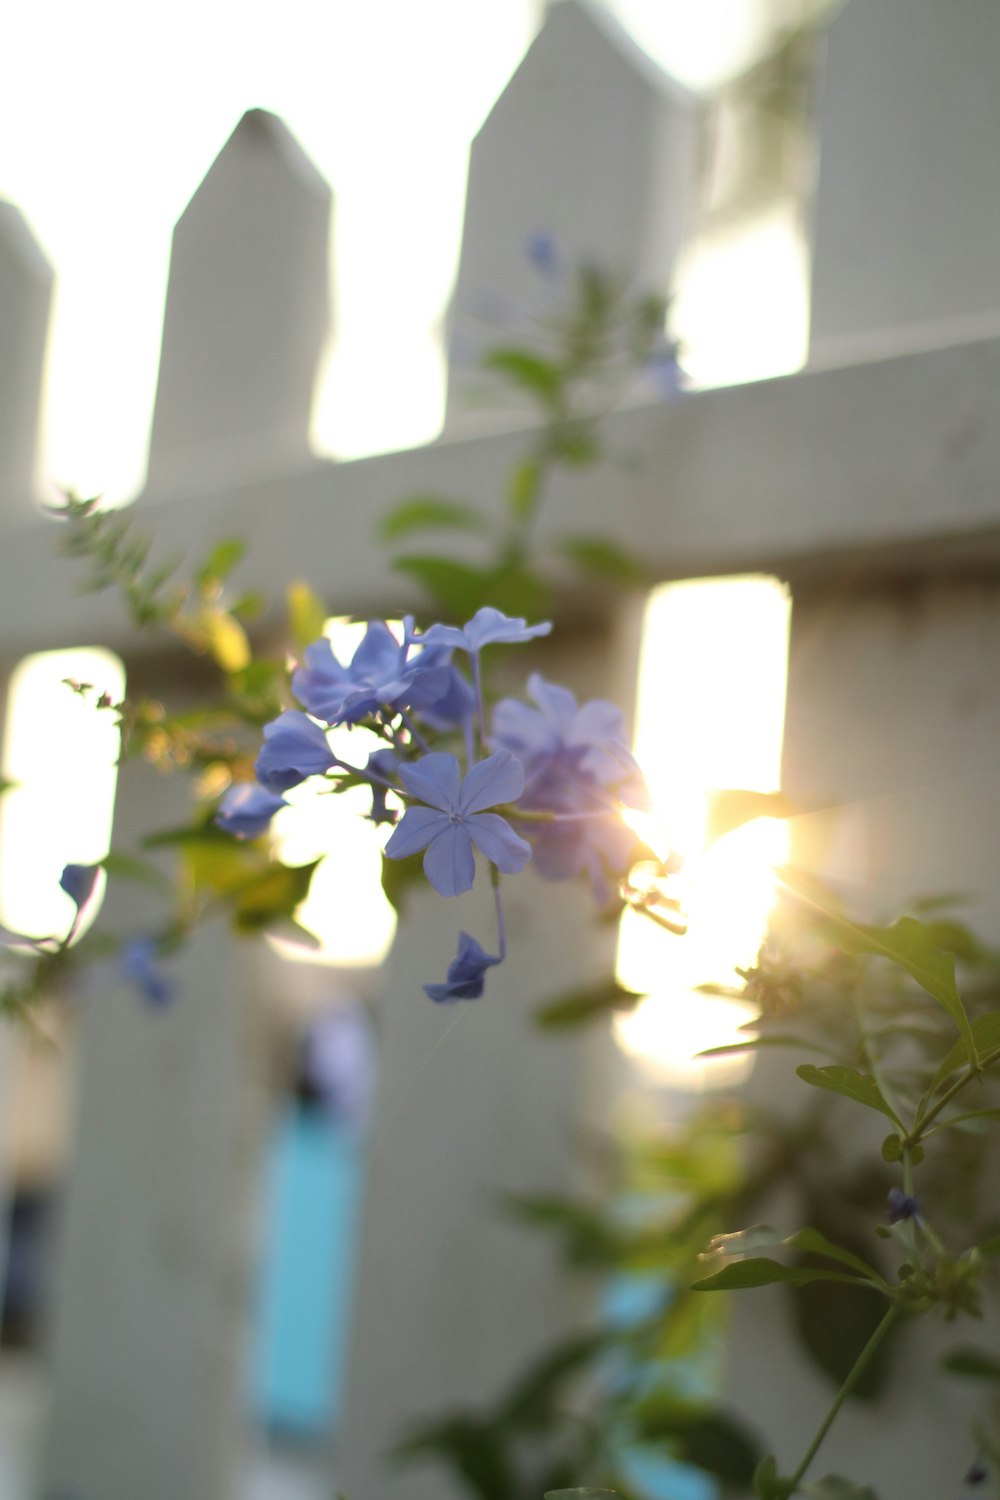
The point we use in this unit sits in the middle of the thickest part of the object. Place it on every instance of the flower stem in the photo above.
(860, 1364)
(501, 917)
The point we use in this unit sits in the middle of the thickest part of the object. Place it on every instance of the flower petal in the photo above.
(449, 862)
(436, 779)
(498, 778)
(414, 831)
(496, 839)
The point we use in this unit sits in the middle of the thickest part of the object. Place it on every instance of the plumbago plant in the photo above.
(901, 1021)
(584, 360)
(898, 1222)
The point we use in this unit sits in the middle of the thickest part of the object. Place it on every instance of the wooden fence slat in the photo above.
(908, 205)
(25, 296)
(589, 146)
(247, 314)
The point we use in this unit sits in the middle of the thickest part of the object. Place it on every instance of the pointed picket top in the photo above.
(25, 296)
(589, 151)
(246, 317)
(907, 223)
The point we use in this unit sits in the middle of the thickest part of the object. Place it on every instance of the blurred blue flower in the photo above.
(78, 882)
(542, 250)
(578, 767)
(466, 973)
(294, 748)
(378, 676)
(902, 1206)
(246, 810)
(454, 820)
(138, 964)
(488, 627)
(338, 1064)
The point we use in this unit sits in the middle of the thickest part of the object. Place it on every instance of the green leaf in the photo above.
(582, 1006)
(762, 1271)
(524, 489)
(130, 867)
(892, 1148)
(605, 561)
(477, 1450)
(977, 1364)
(814, 1243)
(711, 1440)
(274, 895)
(398, 876)
(835, 1487)
(532, 1403)
(733, 806)
(768, 1039)
(908, 943)
(768, 1483)
(221, 561)
(457, 589)
(972, 1114)
(986, 1035)
(860, 1087)
(528, 372)
(306, 614)
(428, 513)
(575, 443)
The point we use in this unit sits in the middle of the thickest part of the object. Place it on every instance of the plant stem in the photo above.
(949, 1094)
(857, 1370)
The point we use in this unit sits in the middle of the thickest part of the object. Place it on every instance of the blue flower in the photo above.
(902, 1206)
(378, 676)
(294, 748)
(78, 882)
(456, 704)
(137, 964)
(488, 627)
(578, 767)
(466, 973)
(246, 810)
(542, 250)
(591, 737)
(454, 820)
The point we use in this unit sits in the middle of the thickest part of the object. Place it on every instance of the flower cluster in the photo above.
(543, 784)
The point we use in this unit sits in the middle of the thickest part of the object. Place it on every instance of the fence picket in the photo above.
(590, 152)
(246, 317)
(25, 296)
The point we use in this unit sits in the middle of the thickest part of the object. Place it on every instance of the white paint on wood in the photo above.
(246, 315)
(25, 294)
(908, 206)
(590, 145)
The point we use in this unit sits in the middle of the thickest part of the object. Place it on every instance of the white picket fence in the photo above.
(869, 481)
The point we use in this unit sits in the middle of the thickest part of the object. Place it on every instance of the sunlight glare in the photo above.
(710, 716)
(346, 908)
(61, 752)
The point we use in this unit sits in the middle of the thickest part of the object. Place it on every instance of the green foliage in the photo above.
(580, 365)
(975, 1364)
(860, 1087)
(428, 513)
(835, 1487)
(579, 1007)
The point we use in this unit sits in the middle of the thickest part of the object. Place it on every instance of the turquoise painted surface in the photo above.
(311, 1212)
